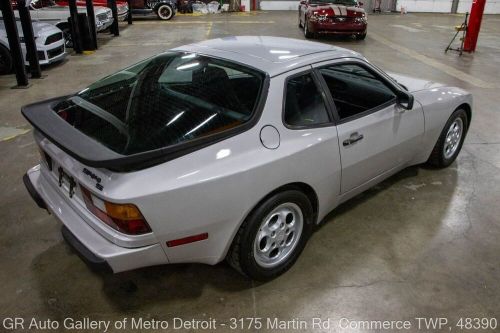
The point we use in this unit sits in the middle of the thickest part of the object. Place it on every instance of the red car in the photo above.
(339, 17)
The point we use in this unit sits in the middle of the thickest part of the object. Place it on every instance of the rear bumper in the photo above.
(90, 245)
(337, 28)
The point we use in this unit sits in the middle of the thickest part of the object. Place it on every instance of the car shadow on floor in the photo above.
(61, 275)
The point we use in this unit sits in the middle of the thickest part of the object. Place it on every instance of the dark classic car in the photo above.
(164, 9)
(339, 17)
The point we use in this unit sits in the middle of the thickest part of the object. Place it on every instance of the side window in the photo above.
(304, 105)
(355, 89)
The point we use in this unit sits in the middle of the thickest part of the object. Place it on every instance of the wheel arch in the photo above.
(468, 111)
(307, 189)
(164, 2)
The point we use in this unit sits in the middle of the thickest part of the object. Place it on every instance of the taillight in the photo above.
(125, 218)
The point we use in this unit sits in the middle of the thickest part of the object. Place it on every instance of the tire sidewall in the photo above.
(167, 17)
(247, 261)
(458, 113)
(307, 34)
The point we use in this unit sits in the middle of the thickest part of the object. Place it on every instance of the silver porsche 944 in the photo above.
(231, 148)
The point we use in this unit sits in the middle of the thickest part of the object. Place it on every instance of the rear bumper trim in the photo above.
(33, 193)
(89, 244)
(84, 253)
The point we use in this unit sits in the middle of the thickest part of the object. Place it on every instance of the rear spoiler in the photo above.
(78, 145)
(92, 153)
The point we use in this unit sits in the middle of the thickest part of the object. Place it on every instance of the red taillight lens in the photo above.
(125, 218)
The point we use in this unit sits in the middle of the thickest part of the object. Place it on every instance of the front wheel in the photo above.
(5, 60)
(273, 236)
(450, 141)
(165, 12)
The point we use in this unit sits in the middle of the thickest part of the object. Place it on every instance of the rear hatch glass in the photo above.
(170, 99)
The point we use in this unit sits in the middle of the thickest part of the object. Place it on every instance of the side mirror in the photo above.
(360, 4)
(405, 100)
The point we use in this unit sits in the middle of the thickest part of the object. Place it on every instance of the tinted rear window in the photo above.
(170, 99)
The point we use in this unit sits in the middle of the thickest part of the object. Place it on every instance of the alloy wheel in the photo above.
(453, 137)
(278, 235)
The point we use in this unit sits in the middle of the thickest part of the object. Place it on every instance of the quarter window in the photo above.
(304, 105)
(355, 89)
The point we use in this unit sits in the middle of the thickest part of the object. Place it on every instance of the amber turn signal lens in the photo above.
(123, 212)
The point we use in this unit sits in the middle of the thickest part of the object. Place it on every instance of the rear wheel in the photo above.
(450, 141)
(307, 33)
(5, 60)
(165, 12)
(273, 236)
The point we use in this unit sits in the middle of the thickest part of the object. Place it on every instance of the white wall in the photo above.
(434, 6)
(492, 6)
(430, 6)
(279, 5)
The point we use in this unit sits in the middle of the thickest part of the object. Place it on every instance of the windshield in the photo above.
(335, 2)
(166, 100)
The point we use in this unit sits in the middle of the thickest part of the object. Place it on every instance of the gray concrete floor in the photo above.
(422, 244)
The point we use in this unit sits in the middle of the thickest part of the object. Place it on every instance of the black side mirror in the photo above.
(360, 4)
(405, 100)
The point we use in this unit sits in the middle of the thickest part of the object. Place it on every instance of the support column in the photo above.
(14, 43)
(29, 39)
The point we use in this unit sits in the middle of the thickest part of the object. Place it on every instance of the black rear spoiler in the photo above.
(88, 151)
(78, 145)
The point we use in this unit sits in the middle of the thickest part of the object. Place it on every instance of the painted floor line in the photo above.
(9, 133)
(434, 63)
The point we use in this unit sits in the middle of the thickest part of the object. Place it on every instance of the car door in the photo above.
(376, 134)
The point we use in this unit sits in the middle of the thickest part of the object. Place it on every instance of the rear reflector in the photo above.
(125, 218)
(187, 240)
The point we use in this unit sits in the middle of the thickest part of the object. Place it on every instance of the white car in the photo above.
(48, 11)
(49, 44)
(231, 148)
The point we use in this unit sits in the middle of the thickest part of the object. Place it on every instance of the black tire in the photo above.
(307, 33)
(5, 60)
(437, 158)
(241, 254)
(165, 12)
(361, 37)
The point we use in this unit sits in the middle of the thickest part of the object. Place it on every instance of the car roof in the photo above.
(273, 55)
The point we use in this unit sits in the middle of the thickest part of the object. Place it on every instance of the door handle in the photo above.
(355, 137)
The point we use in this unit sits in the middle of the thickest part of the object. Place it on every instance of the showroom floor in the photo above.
(424, 243)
